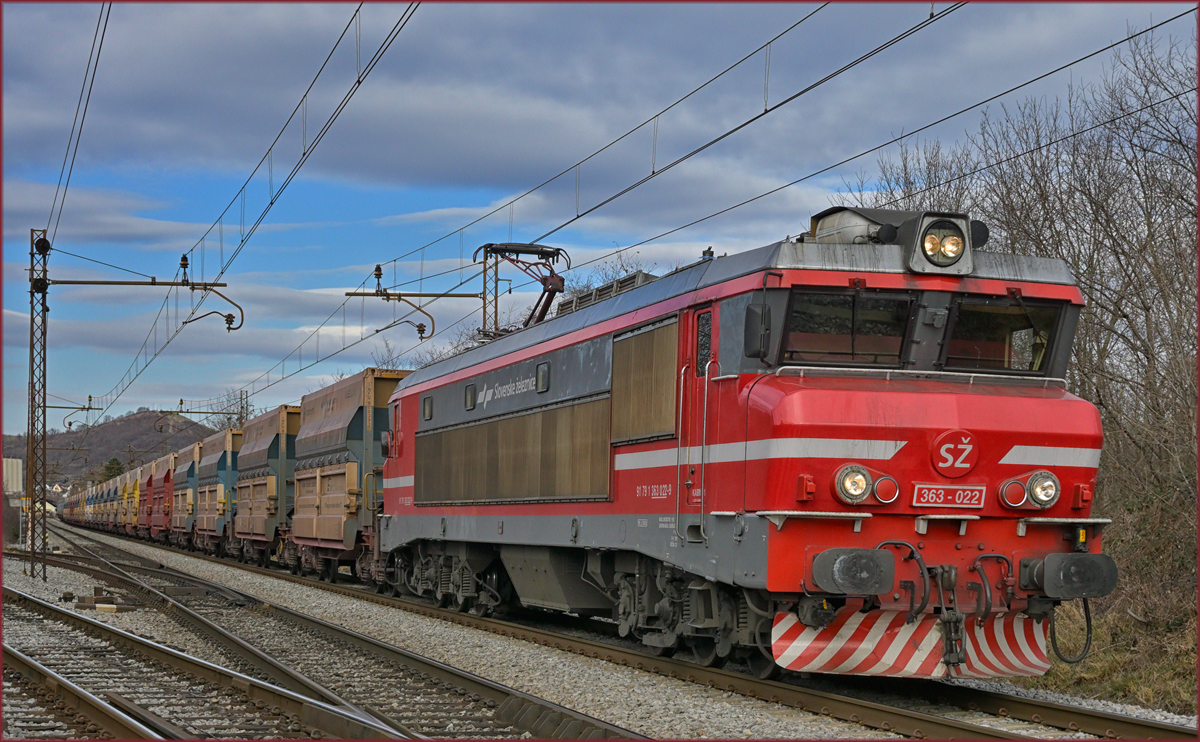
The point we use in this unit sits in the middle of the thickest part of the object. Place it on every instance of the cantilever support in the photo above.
(228, 317)
(382, 293)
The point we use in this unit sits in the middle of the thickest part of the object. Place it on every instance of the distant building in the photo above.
(14, 476)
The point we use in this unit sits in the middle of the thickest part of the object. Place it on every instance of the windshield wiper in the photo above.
(1016, 294)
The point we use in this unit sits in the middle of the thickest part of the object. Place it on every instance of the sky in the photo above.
(199, 114)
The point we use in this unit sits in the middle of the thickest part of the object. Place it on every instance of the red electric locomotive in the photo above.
(849, 452)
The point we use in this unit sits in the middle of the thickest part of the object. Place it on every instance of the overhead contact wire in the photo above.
(78, 105)
(118, 390)
(881, 146)
(895, 40)
(508, 204)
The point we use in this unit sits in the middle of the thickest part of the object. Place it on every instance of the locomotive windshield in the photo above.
(857, 328)
(1000, 335)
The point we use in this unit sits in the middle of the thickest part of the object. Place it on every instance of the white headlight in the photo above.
(1043, 489)
(943, 243)
(853, 483)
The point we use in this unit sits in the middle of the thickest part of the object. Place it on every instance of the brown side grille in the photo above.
(555, 454)
(643, 384)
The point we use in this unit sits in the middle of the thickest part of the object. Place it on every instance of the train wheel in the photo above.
(761, 666)
(463, 605)
(332, 570)
(667, 651)
(705, 649)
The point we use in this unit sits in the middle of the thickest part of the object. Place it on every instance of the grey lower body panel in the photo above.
(733, 549)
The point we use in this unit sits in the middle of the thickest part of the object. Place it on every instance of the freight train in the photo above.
(846, 452)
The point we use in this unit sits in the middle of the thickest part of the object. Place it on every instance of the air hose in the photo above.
(1087, 645)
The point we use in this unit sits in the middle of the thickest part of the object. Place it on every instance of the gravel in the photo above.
(1139, 712)
(640, 701)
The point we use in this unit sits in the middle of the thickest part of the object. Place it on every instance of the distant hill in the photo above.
(81, 452)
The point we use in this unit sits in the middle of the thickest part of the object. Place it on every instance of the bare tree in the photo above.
(606, 271)
(236, 404)
(922, 177)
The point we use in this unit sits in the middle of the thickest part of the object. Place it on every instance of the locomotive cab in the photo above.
(951, 445)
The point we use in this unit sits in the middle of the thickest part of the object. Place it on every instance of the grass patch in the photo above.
(1133, 659)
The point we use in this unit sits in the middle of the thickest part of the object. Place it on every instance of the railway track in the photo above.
(412, 695)
(948, 711)
(191, 697)
(41, 704)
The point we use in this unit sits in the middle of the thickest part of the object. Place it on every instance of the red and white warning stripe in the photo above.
(881, 643)
(1005, 646)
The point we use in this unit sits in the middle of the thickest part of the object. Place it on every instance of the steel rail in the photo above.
(874, 715)
(1101, 723)
(112, 720)
(330, 719)
(1088, 721)
(285, 676)
(537, 716)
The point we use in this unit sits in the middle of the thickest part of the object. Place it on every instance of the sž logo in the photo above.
(954, 453)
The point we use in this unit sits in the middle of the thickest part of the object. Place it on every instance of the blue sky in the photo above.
(471, 106)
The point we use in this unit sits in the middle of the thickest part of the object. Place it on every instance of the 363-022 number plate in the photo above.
(955, 496)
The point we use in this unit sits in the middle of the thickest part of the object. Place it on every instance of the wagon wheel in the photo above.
(705, 649)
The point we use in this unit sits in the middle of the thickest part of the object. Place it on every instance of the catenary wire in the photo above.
(895, 40)
(584, 160)
(799, 180)
(876, 148)
(120, 388)
(509, 203)
(1031, 150)
(923, 24)
(92, 54)
(685, 226)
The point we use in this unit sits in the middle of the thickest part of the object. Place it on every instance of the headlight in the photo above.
(853, 483)
(1043, 489)
(943, 243)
